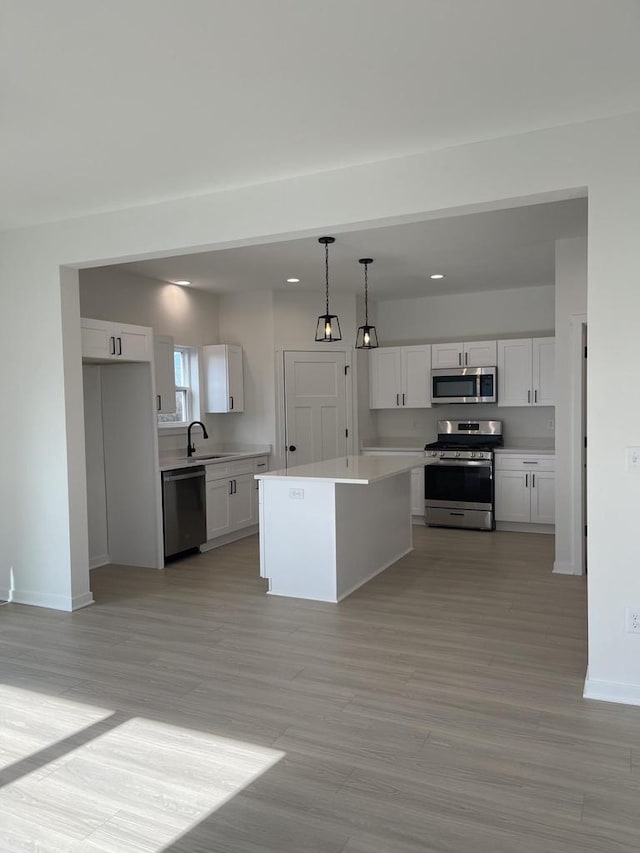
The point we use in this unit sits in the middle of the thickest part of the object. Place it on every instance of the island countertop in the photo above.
(348, 469)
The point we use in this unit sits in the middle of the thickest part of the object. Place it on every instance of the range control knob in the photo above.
(481, 455)
(434, 452)
(457, 453)
(442, 454)
(473, 455)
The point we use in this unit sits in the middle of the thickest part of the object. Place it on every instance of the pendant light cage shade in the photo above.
(328, 327)
(366, 337)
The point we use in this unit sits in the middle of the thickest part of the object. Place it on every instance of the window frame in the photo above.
(190, 390)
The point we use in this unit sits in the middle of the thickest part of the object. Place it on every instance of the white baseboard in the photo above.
(5, 594)
(524, 527)
(80, 601)
(229, 537)
(563, 567)
(100, 560)
(611, 691)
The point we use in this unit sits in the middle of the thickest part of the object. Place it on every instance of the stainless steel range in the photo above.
(458, 475)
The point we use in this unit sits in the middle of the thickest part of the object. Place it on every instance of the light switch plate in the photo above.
(633, 458)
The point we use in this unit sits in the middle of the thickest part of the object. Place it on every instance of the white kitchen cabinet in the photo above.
(106, 341)
(526, 372)
(260, 466)
(417, 480)
(165, 374)
(399, 377)
(464, 354)
(223, 378)
(525, 489)
(232, 498)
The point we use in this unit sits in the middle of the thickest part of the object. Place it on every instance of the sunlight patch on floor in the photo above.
(137, 786)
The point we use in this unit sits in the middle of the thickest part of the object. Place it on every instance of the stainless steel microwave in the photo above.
(464, 385)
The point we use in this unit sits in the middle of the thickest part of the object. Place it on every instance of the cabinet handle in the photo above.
(533, 480)
(529, 396)
(231, 402)
(526, 481)
(119, 346)
(403, 399)
(524, 462)
(535, 396)
(459, 359)
(466, 358)
(159, 401)
(397, 399)
(112, 345)
(230, 487)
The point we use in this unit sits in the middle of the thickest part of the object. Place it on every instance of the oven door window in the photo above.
(472, 483)
(454, 386)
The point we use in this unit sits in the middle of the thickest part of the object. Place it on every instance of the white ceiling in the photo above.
(111, 104)
(493, 250)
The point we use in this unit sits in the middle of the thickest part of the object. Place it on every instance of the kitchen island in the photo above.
(328, 527)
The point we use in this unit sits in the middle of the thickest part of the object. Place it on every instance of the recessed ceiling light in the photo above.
(183, 282)
(293, 280)
(437, 275)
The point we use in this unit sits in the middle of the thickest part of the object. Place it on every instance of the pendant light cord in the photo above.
(366, 295)
(326, 274)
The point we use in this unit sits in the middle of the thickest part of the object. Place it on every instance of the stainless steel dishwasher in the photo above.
(183, 509)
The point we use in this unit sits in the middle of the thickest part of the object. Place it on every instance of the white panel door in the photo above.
(385, 379)
(133, 343)
(315, 389)
(446, 355)
(416, 377)
(515, 373)
(236, 380)
(543, 497)
(544, 371)
(98, 340)
(165, 374)
(241, 501)
(513, 499)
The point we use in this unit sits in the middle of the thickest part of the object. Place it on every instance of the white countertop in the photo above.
(171, 463)
(348, 469)
(545, 446)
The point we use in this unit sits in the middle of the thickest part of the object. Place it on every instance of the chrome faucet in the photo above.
(191, 448)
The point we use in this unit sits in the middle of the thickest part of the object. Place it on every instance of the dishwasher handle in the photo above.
(169, 477)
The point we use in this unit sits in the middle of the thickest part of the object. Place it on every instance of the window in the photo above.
(182, 357)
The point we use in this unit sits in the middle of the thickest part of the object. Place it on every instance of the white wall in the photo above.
(571, 300)
(601, 156)
(190, 316)
(454, 317)
(94, 447)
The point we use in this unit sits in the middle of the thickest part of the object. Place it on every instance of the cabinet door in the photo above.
(235, 378)
(218, 518)
(480, 354)
(98, 339)
(544, 371)
(261, 466)
(416, 377)
(165, 374)
(446, 355)
(133, 343)
(417, 491)
(241, 501)
(543, 497)
(385, 378)
(512, 498)
(515, 373)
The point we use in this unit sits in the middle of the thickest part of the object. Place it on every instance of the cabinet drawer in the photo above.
(510, 462)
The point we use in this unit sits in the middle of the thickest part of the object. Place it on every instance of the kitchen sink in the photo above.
(212, 456)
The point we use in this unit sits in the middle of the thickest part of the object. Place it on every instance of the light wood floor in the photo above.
(438, 708)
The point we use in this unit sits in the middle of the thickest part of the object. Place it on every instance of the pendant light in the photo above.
(328, 328)
(367, 337)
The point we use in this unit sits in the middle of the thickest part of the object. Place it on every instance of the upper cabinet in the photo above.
(165, 374)
(464, 354)
(223, 379)
(106, 341)
(399, 377)
(526, 372)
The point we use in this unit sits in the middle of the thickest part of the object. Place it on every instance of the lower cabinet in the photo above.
(232, 497)
(525, 489)
(417, 479)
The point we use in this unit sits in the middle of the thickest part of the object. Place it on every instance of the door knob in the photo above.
(292, 447)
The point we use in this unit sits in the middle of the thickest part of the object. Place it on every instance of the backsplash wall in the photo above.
(518, 421)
